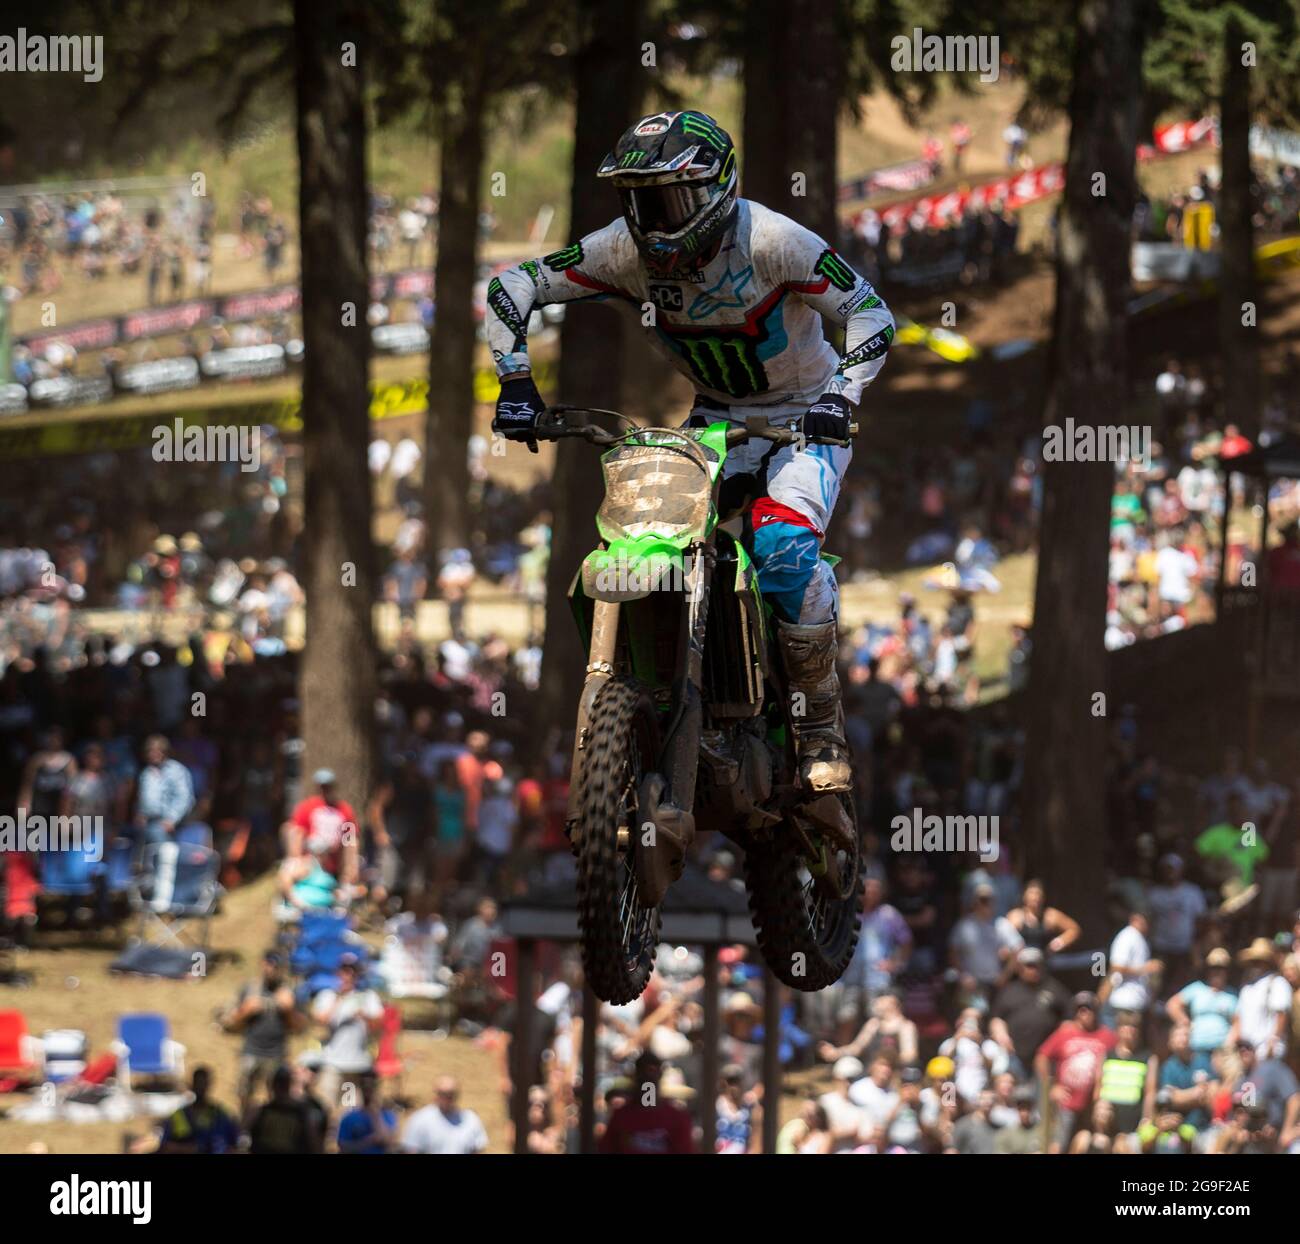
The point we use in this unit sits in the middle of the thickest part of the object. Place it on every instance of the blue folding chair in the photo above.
(178, 885)
(144, 1047)
(118, 866)
(68, 874)
(196, 834)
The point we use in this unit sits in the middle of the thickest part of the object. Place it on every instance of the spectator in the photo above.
(202, 1126)
(1208, 1006)
(643, 1123)
(349, 1013)
(1071, 1060)
(370, 1127)
(282, 1124)
(982, 946)
(1264, 1004)
(165, 793)
(443, 1126)
(1027, 1009)
(1132, 966)
(1042, 927)
(264, 1013)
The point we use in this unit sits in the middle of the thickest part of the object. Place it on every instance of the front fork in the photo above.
(670, 793)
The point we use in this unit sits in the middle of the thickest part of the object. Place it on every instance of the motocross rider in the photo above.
(737, 292)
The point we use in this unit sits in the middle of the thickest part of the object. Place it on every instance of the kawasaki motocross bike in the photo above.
(683, 721)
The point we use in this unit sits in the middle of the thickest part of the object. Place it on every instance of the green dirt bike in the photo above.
(683, 722)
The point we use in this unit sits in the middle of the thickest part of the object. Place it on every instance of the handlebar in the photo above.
(756, 427)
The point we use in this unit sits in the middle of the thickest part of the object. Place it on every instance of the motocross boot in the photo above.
(809, 653)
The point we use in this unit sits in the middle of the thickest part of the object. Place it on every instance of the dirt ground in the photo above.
(72, 988)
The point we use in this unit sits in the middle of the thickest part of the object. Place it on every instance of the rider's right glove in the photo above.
(519, 410)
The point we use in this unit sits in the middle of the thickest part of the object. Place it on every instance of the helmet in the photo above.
(676, 174)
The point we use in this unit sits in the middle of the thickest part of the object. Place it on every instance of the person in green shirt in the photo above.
(1125, 506)
(1231, 851)
(1024, 1135)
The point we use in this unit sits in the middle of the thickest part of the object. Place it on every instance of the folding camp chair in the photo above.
(19, 1050)
(177, 886)
(195, 833)
(144, 1047)
(388, 1062)
(68, 874)
(118, 866)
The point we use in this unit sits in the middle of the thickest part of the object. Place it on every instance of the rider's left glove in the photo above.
(828, 417)
(519, 410)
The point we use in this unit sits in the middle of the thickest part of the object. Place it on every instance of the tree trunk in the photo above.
(762, 150)
(1064, 805)
(1237, 282)
(792, 81)
(609, 77)
(450, 418)
(338, 668)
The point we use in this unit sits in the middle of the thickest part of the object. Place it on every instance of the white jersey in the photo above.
(745, 329)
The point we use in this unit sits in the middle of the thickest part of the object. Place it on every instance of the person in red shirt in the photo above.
(658, 1127)
(326, 826)
(1233, 444)
(1077, 1048)
(1283, 565)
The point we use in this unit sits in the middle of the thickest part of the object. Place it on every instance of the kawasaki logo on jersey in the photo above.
(835, 270)
(569, 257)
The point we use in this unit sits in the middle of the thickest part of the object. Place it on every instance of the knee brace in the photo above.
(791, 575)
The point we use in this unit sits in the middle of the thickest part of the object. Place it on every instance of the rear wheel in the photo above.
(619, 931)
(806, 916)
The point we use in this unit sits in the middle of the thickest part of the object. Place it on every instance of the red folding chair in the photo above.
(388, 1062)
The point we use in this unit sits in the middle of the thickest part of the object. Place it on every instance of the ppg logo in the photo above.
(666, 297)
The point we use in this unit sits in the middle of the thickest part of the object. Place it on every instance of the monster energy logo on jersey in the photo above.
(529, 267)
(506, 311)
(873, 348)
(835, 270)
(725, 362)
(569, 257)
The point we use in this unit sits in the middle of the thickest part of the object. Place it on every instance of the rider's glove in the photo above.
(828, 417)
(519, 410)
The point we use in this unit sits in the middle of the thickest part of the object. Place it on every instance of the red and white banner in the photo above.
(1183, 135)
(1012, 192)
(1015, 191)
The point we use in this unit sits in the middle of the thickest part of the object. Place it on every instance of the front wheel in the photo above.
(619, 930)
(806, 922)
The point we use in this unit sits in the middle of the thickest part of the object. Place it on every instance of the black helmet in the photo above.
(676, 174)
